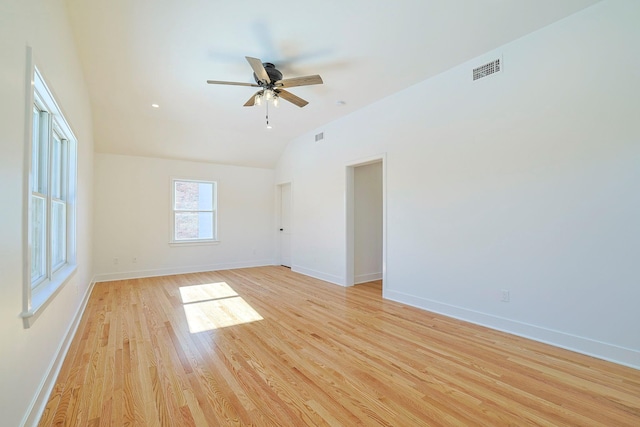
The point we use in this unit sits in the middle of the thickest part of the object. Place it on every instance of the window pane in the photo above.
(38, 238)
(186, 195)
(193, 225)
(58, 234)
(186, 225)
(40, 151)
(205, 196)
(205, 225)
(35, 148)
(56, 167)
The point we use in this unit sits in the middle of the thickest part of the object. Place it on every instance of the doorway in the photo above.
(366, 221)
(284, 226)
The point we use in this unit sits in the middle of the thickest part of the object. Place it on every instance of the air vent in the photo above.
(319, 136)
(487, 69)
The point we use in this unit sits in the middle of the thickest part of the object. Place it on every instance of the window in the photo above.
(50, 225)
(193, 211)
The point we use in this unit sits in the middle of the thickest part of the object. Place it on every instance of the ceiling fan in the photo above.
(271, 84)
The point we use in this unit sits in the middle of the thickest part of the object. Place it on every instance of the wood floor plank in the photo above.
(268, 347)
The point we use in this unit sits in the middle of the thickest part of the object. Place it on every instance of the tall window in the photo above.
(49, 195)
(193, 211)
(51, 213)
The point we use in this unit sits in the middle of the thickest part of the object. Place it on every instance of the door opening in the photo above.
(366, 216)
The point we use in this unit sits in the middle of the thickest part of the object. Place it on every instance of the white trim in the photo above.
(184, 243)
(336, 280)
(278, 224)
(276, 220)
(43, 295)
(139, 274)
(601, 350)
(349, 278)
(350, 235)
(45, 92)
(39, 402)
(36, 298)
(27, 178)
(172, 212)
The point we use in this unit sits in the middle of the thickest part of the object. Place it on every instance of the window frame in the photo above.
(214, 214)
(39, 292)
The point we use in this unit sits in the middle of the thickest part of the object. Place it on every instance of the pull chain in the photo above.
(268, 125)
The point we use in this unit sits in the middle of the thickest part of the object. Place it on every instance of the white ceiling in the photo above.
(139, 52)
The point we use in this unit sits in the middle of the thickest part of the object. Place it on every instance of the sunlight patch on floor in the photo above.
(215, 305)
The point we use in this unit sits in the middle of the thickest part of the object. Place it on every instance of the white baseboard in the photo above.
(319, 275)
(39, 402)
(139, 274)
(364, 278)
(601, 350)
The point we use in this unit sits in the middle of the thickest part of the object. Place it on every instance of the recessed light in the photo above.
(155, 105)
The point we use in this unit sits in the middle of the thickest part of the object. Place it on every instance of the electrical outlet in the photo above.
(505, 295)
(134, 260)
(116, 261)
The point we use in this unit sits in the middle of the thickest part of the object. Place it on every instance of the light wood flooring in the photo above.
(313, 353)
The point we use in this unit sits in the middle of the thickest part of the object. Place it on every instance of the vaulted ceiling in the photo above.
(136, 53)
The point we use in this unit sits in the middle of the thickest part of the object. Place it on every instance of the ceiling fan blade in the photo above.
(218, 82)
(258, 68)
(288, 96)
(300, 81)
(252, 101)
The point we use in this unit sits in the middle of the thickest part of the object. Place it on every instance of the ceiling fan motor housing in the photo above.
(274, 74)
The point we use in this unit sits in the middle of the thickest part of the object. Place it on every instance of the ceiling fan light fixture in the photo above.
(272, 86)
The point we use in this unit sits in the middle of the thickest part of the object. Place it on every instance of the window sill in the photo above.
(194, 243)
(44, 294)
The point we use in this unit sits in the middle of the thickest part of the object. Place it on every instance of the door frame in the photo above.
(350, 216)
(278, 221)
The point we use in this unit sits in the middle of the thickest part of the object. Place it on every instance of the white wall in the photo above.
(132, 217)
(28, 356)
(526, 181)
(367, 222)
